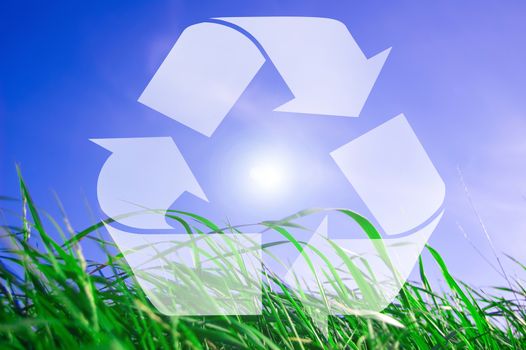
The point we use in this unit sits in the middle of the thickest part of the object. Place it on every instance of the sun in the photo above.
(266, 177)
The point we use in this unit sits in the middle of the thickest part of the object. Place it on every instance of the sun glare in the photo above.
(267, 177)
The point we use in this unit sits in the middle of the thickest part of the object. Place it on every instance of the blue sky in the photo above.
(456, 70)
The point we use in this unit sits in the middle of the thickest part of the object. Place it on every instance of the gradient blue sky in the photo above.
(73, 72)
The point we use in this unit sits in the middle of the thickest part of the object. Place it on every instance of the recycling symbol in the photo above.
(201, 79)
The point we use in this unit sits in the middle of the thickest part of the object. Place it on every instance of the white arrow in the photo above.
(319, 60)
(203, 76)
(143, 174)
(372, 270)
(211, 65)
(392, 173)
(192, 274)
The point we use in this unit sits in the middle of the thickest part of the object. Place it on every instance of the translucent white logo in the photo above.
(200, 80)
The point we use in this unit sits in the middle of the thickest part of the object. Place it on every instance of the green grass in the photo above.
(52, 297)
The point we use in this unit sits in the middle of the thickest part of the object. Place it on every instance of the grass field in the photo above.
(52, 297)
